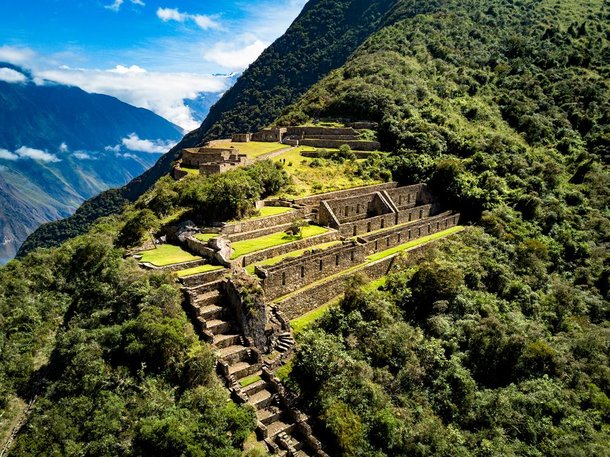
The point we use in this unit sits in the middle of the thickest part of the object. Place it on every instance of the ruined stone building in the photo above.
(210, 160)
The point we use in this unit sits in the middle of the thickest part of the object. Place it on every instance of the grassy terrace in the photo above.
(411, 244)
(292, 254)
(205, 237)
(275, 239)
(167, 254)
(253, 149)
(198, 270)
(267, 211)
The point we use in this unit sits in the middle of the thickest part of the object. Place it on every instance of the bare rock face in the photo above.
(222, 248)
(186, 229)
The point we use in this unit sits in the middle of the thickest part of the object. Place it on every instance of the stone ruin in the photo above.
(209, 160)
(246, 317)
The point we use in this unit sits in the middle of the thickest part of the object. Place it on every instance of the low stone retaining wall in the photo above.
(293, 274)
(258, 233)
(357, 154)
(204, 278)
(395, 237)
(176, 267)
(265, 254)
(261, 223)
(358, 145)
(315, 200)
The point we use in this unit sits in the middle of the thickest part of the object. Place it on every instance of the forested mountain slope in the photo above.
(496, 343)
(322, 37)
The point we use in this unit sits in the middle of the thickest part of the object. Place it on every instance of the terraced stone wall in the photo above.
(293, 274)
(262, 223)
(351, 209)
(314, 200)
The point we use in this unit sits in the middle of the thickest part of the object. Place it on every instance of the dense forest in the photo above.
(496, 343)
(493, 343)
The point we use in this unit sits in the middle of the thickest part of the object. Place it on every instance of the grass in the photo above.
(244, 247)
(314, 180)
(253, 149)
(197, 270)
(267, 211)
(175, 216)
(167, 254)
(190, 171)
(249, 380)
(301, 323)
(388, 252)
(292, 254)
(205, 237)
(283, 373)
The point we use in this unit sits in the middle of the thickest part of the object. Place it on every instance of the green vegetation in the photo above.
(253, 149)
(297, 253)
(301, 323)
(411, 244)
(267, 211)
(249, 380)
(198, 270)
(167, 254)
(108, 350)
(244, 247)
(314, 176)
(205, 237)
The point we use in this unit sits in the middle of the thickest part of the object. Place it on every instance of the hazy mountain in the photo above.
(60, 146)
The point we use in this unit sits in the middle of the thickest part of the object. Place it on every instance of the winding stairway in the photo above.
(283, 429)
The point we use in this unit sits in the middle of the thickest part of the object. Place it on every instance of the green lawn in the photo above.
(167, 254)
(300, 323)
(279, 258)
(275, 239)
(253, 149)
(197, 270)
(267, 211)
(174, 216)
(411, 244)
(205, 237)
(249, 380)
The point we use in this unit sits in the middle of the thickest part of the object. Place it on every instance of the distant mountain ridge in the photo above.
(60, 145)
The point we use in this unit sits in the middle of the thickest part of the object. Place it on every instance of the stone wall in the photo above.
(400, 235)
(314, 200)
(311, 298)
(351, 209)
(406, 196)
(241, 137)
(357, 145)
(305, 243)
(316, 131)
(317, 155)
(204, 278)
(246, 301)
(293, 274)
(261, 223)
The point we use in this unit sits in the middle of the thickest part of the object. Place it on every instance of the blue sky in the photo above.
(151, 53)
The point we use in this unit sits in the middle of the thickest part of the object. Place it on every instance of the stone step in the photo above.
(208, 298)
(204, 288)
(283, 347)
(217, 326)
(210, 312)
(261, 399)
(269, 414)
(242, 369)
(301, 453)
(222, 341)
(235, 353)
(279, 426)
(255, 387)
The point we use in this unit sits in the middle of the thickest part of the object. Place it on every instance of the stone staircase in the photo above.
(284, 430)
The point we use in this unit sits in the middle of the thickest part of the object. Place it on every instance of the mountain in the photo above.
(320, 39)
(60, 146)
(201, 105)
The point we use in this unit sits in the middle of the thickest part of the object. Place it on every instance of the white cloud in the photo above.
(36, 154)
(235, 56)
(16, 55)
(12, 76)
(81, 155)
(129, 156)
(116, 5)
(203, 21)
(162, 93)
(7, 155)
(116, 148)
(63, 147)
(134, 143)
